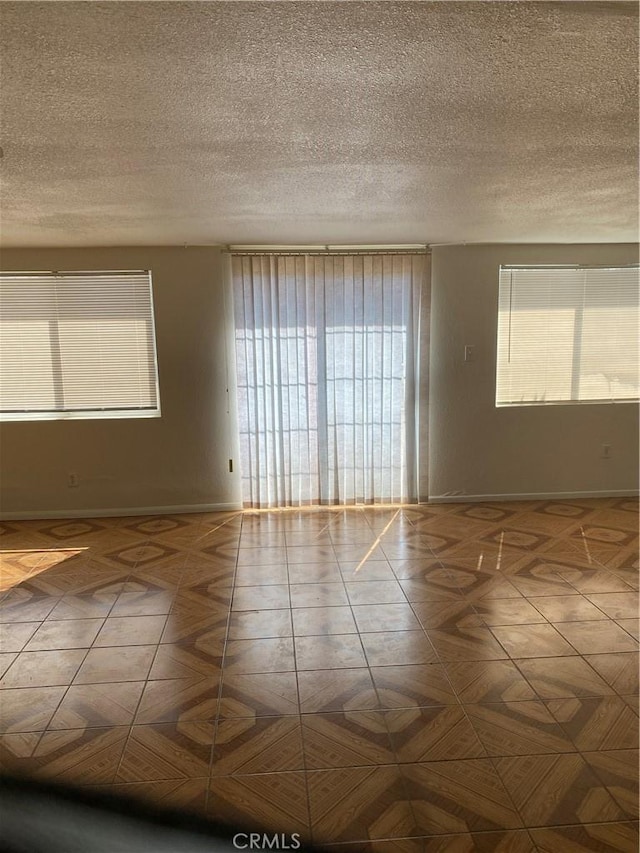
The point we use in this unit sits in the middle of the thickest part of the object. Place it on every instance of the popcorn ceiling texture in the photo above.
(167, 123)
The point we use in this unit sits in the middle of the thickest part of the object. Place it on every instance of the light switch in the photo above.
(468, 353)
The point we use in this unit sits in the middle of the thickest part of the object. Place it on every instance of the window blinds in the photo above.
(77, 344)
(567, 335)
(328, 366)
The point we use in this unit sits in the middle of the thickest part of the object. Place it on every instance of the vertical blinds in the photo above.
(567, 334)
(77, 344)
(328, 372)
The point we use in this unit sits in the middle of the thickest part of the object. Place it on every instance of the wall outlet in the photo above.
(72, 481)
(606, 451)
(468, 353)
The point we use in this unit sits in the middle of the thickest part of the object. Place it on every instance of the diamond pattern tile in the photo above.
(71, 530)
(614, 837)
(449, 677)
(517, 728)
(275, 802)
(14, 636)
(618, 770)
(43, 669)
(331, 651)
(74, 634)
(466, 643)
(186, 795)
(336, 690)
(604, 722)
(257, 745)
(594, 637)
(555, 790)
(167, 751)
(108, 665)
(358, 804)
(349, 739)
(177, 700)
(98, 605)
(259, 695)
(78, 756)
(394, 648)
(534, 641)
(21, 606)
(265, 655)
(433, 734)
(29, 709)
(131, 630)
(94, 705)
(554, 678)
(412, 686)
(620, 671)
(459, 796)
(488, 681)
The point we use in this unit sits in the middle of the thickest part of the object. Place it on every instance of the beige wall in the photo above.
(479, 450)
(180, 459)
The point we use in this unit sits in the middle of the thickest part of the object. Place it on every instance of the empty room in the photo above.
(319, 389)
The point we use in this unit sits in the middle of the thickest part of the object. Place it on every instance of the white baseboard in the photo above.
(532, 496)
(113, 512)
(118, 511)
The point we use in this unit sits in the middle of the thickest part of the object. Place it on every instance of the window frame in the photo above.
(543, 403)
(31, 415)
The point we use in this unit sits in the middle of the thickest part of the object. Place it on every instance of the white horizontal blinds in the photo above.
(77, 343)
(567, 334)
(26, 365)
(323, 345)
(609, 364)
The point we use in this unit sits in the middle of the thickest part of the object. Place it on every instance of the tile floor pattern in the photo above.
(451, 677)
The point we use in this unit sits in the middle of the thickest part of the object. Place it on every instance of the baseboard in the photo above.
(114, 512)
(118, 511)
(531, 496)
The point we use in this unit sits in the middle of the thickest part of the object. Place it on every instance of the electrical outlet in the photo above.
(72, 481)
(606, 451)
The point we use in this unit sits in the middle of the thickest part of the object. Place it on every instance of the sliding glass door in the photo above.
(328, 369)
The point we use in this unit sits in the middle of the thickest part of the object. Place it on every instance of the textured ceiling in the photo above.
(290, 122)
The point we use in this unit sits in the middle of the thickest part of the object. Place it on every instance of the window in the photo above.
(77, 345)
(567, 334)
(328, 368)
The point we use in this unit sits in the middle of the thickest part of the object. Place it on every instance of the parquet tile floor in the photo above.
(454, 677)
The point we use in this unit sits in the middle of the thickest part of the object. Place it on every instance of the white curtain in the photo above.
(330, 353)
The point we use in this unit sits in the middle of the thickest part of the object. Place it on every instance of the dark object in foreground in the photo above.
(41, 817)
